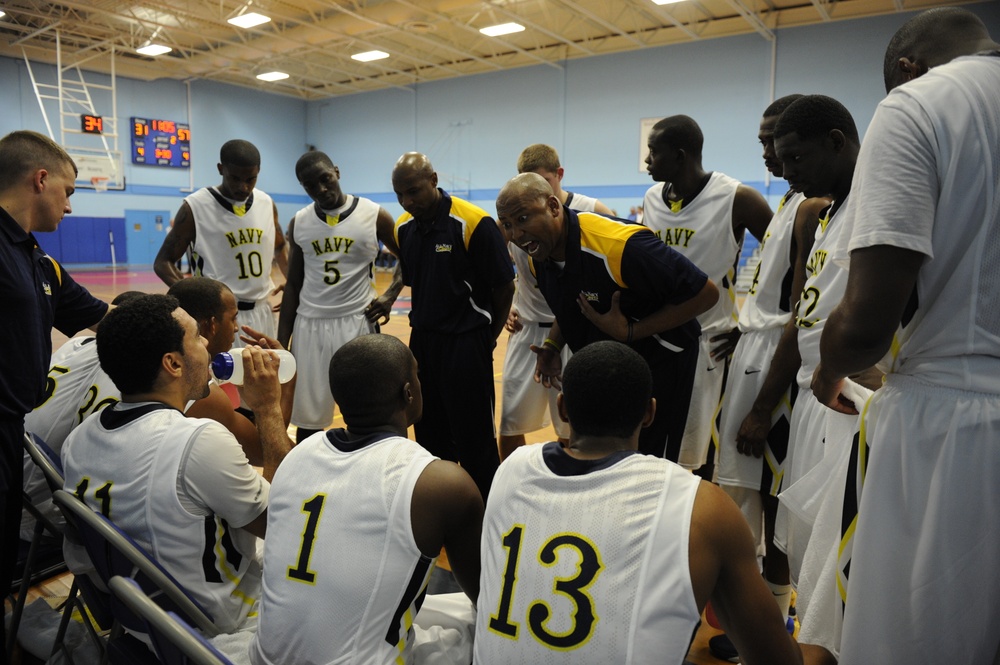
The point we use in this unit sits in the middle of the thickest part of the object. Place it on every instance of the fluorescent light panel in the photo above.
(272, 76)
(666, 2)
(2, 13)
(501, 29)
(153, 49)
(368, 56)
(249, 20)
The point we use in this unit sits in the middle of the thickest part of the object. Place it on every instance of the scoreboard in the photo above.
(161, 143)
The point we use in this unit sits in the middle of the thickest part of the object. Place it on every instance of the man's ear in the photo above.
(837, 139)
(208, 327)
(172, 364)
(911, 69)
(561, 408)
(39, 179)
(647, 419)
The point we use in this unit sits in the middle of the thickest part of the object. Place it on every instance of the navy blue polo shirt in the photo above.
(453, 264)
(36, 294)
(604, 256)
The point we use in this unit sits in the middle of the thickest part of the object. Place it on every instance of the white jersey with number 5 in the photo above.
(338, 250)
(586, 561)
(234, 244)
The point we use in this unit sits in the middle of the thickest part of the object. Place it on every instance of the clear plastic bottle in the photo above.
(227, 367)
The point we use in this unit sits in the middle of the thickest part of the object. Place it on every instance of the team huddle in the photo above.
(826, 448)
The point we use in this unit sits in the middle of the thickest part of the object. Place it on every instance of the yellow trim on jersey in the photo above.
(676, 206)
(58, 268)
(226, 569)
(403, 219)
(606, 238)
(894, 349)
(846, 544)
(469, 215)
(825, 220)
(782, 202)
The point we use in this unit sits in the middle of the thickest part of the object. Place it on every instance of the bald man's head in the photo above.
(931, 38)
(532, 217)
(415, 184)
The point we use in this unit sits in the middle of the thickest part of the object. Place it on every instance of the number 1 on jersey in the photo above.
(314, 509)
(500, 622)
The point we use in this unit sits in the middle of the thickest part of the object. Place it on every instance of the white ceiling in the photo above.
(312, 40)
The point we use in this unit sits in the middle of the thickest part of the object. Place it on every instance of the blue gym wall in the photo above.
(590, 109)
(473, 128)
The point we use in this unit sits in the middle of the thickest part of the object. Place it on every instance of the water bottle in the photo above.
(227, 367)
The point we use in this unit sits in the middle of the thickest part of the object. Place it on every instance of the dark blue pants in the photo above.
(11, 481)
(459, 419)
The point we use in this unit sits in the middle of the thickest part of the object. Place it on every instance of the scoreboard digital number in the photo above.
(91, 124)
(161, 143)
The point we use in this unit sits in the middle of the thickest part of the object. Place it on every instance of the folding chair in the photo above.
(51, 467)
(45, 459)
(175, 642)
(113, 552)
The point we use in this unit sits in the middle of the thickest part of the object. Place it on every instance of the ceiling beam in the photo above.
(821, 7)
(32, 35)
(753, 19)
(420, 38)
(663, 14)
(586, 13)
(468, 28)
(534, 26)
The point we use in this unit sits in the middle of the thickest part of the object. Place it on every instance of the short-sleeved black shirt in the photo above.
(604, 256)
(36, 294)
(453, 265)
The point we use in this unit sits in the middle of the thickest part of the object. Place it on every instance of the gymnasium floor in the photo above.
(106, 284)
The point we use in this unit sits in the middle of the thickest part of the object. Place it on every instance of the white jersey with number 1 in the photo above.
(343, 575)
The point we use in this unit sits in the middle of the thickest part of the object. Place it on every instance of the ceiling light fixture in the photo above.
(368, 56)
(153, 50)
(666, 2)
(2, 13)
(249, 20)
(272, 76)
(501, 29)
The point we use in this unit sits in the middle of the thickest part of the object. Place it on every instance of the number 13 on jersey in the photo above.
(570, 592)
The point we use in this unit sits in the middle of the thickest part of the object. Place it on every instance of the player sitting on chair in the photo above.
(634, 545)
(181, 487)
(356, 521)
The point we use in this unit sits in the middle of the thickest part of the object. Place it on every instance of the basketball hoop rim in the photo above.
(99, 183)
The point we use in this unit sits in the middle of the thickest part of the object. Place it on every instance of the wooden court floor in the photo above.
(106, 284)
